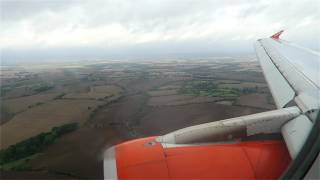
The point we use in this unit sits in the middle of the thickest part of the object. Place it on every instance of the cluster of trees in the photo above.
(249, 90)
(34, 144)
(4, 90)
(197, 87)
(207, 88)
(270, 99)
(43, 88)
(59, 96)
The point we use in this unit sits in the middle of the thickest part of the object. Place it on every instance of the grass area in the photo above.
(19, 165)
(207, 88)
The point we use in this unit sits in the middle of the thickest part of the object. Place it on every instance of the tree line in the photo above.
(34, 144)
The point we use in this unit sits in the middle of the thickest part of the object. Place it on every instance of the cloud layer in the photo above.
(126, 28)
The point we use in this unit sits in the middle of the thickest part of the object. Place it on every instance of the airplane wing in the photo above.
(241, 147)
(292, 72)
(293, 76)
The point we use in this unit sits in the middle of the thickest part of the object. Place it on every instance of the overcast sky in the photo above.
(43, 30)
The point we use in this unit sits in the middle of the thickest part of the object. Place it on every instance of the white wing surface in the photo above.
(293, 76)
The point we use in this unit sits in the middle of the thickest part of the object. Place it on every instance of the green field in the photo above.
(206, 88)
(211, 89)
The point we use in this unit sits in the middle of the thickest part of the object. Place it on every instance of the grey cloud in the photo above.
(14, 10)
(161, 17)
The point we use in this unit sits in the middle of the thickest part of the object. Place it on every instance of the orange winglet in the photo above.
(145, 158)
(276, 36)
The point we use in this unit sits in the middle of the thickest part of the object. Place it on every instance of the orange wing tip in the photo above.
(277, 35)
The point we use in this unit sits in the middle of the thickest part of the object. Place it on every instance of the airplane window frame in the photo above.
(307, 156)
